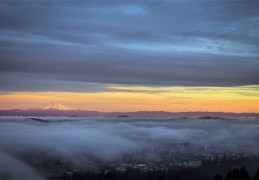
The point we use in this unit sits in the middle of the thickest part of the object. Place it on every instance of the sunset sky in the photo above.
(173, 55)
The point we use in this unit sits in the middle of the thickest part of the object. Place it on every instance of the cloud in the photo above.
(16, 169)
(77, 139)
(98, 136)
(158, 43)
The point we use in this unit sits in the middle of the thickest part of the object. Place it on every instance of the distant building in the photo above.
(194, 163)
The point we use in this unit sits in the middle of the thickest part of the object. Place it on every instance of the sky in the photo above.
(167, 55)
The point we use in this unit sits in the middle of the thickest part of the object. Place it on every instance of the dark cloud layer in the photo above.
(189, 43)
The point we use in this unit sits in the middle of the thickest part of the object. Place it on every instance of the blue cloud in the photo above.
(156, 43)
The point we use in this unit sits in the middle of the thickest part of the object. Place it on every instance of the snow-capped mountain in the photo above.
(56, 106)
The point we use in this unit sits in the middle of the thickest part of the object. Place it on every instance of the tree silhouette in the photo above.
(243, 174)
(257, 173)
(217, 177)
(238, 174)
(229, 175)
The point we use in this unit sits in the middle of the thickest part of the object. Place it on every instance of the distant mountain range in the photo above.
(55, 109)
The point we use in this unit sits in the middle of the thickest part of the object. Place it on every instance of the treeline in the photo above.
(237, 173)
(226, 168)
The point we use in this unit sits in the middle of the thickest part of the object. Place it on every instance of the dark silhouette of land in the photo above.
(85, 113)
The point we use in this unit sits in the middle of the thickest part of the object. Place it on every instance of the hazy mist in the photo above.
(76, 139)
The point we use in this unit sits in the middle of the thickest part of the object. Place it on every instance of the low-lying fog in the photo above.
(72, 138)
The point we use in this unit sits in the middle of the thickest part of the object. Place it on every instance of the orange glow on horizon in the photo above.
(140, 98)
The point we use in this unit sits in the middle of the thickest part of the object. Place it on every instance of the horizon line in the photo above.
(161, 111)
